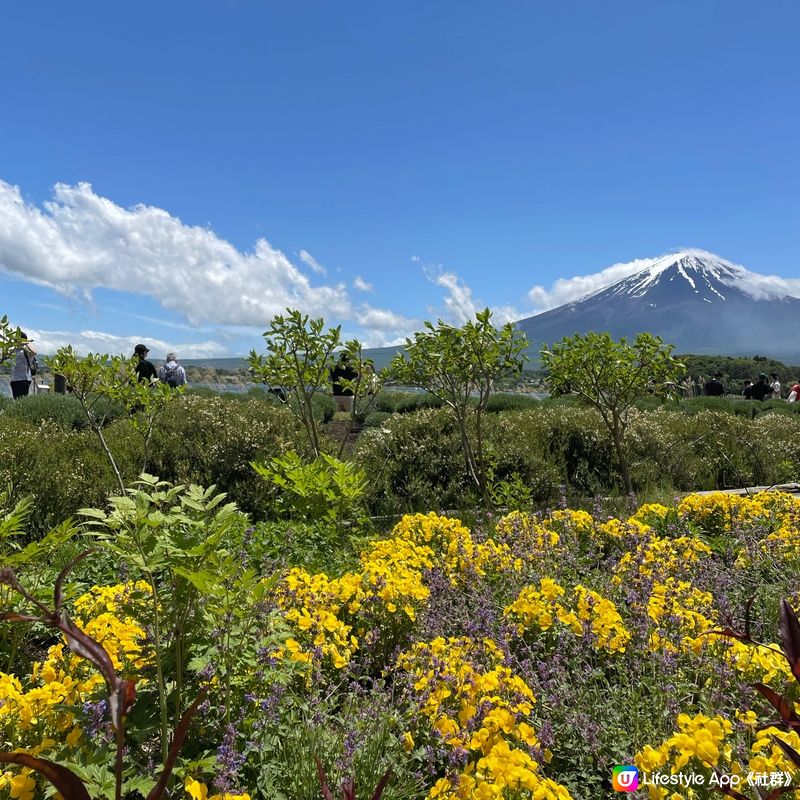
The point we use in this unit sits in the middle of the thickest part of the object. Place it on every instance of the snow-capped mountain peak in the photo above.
(693, 299)
(706, 274)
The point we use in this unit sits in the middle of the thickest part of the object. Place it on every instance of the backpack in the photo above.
(33, 364)
(171, 377)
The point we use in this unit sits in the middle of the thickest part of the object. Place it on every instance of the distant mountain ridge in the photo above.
(693, 299)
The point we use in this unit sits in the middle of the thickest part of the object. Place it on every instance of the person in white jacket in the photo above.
(172, 372)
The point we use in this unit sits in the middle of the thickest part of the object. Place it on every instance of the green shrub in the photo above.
(376, 419)
(398, 402)
(212, 440)
(63, 470)
(316, 546)
(510, 402)
(64, 410)
(413, 462)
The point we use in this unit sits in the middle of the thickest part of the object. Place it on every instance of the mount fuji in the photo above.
(693, 299)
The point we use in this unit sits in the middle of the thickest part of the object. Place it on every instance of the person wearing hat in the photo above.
(145, 371)
(762, 390)
(25, 367)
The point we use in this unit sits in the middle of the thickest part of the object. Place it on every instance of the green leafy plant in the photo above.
(326, 489)
(184, 542)
(610, 375)
(511, 493)
(461, 366)
(10, 338)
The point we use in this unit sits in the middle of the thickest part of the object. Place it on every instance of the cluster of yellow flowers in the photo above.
(683, 615)
(783, 543)
(699, 742)
(35, 714)
(311, 603)
(540, 608)
(719, 512)
(332, 615)
(64, 679)
(767, 756)
(680, 613)
(657, 556)
(561, 528)
(475, 702)
(21, 786)
(452, 547)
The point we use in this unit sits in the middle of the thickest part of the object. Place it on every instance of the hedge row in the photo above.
(413, 460)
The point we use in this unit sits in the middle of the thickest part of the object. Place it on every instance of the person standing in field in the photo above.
(762, 390)
(714, 387)
(343, 394)
(172, 372)
(25, 367)
(775, 386)
(794, 393)
(145, 371)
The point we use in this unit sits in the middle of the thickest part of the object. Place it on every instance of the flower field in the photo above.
(522, 658)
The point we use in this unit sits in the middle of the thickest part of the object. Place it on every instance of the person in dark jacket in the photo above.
(145, 370)
(762, 390)
(714, 387)
(747, 393)
(343, 395)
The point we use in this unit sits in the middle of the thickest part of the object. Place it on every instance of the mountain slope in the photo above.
(692, 299)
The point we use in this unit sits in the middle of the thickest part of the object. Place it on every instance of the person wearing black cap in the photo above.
(145, 370)
(24, 368)
(762, 390)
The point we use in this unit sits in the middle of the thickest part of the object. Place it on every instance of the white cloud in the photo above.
(565, 290)
(383, 327)
(47, 342)
(383, 319)
(362, 285)
(81, 241)
(459, 302)
(310, 261)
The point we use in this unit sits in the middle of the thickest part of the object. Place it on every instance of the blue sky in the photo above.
(176, 173)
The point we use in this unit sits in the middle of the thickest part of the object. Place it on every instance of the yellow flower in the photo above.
(408, 742)
(23, 786)
(197, 790)
(74, 736)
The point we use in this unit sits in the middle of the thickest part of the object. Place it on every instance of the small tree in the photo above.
(610, 375)
(299, 357)
(102, 377)
(460, 366)
(10, 339)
